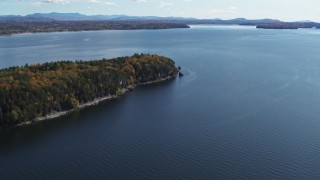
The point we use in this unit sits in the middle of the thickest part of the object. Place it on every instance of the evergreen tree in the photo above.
(38, 89)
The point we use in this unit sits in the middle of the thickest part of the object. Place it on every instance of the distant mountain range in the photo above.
(81, 17)
(260, 23)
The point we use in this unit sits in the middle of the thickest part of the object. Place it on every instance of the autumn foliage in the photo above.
(36, 90)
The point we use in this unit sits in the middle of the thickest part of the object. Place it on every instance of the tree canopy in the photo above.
(36, 90)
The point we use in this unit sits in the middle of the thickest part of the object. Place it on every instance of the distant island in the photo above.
(64, 22)
(43, 91)
(289, 25)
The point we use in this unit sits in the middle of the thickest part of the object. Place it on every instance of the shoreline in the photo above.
(96, 101)
(32, 33)
(93, 30)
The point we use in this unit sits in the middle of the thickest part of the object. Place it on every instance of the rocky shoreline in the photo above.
(91, 103)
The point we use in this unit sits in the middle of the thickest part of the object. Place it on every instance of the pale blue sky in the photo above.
(289, 10)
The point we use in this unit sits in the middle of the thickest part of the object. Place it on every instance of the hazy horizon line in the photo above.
(184, 17)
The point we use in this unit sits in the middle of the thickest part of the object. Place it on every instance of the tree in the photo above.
(36, 90)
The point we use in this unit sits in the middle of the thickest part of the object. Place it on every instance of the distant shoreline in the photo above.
(9, 31)
(72, 22)
(8, 28)
(96, 101)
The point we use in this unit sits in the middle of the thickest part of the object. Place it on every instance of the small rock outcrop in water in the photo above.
(180, 73)
(44, 91)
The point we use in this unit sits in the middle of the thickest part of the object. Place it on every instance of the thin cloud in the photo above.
(109, 3)
(56, 1)
(140, 1)
(40, 3)
(232, 8)
(165, 4)
(37, 4)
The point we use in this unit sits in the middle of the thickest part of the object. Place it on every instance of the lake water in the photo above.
(248, 107)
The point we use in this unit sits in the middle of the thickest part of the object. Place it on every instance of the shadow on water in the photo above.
(17, 137)
(27, 136)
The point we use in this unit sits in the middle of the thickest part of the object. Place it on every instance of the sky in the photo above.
(286, 10)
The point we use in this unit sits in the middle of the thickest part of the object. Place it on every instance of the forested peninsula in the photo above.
(42, 91)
